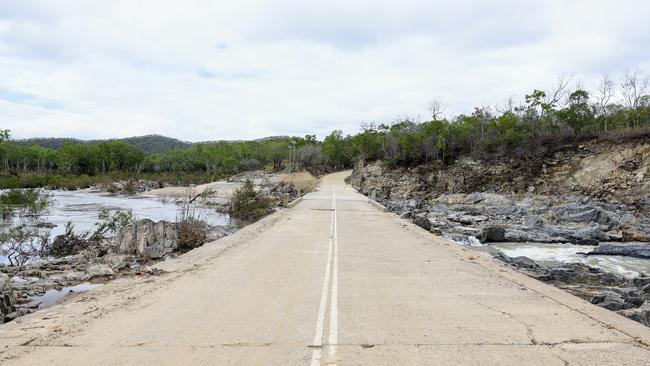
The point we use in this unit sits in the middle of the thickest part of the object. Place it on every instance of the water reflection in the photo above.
(53, 296)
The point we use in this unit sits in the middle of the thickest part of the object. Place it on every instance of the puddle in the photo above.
(21, 280)
(53, 296)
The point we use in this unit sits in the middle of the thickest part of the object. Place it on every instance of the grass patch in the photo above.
(304, 182)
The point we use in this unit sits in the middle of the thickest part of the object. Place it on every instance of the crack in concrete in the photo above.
(362, 345)
(529, 327)
(634, 340)
(566, 363)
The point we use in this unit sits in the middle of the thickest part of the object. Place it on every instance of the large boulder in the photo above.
(99, 270)
(584, 214)
(119, 261)
(7, 300)
(633, 234)
(581, 274)
(492, 234)
(610, 300)
(518, 262)
(147, 239)
(640, 314)
(422, 221)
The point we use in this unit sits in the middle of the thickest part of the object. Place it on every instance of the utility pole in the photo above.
(291, 146)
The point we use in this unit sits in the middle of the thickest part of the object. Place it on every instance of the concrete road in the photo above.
(332, 281)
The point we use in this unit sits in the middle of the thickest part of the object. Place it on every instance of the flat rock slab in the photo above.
(630, 250)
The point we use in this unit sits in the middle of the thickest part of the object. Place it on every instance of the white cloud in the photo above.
(209, 70)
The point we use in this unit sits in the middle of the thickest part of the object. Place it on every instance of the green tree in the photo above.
(338, 150)
(578, 114)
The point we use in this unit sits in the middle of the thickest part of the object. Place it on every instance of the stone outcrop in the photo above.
(510, 217)
(147, 239)
(612, 172)
(7, 300)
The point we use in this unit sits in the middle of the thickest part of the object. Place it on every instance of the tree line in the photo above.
(521, 129)
(212, 160)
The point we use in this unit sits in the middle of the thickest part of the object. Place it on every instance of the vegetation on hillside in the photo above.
(149, 144)
(523, 131)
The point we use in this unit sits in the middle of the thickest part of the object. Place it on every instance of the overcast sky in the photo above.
(206, 70)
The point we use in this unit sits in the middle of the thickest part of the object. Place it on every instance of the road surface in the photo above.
(332, 281)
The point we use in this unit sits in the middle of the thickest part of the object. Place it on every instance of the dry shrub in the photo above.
(302, 181)
(68, 243)
(192, 227)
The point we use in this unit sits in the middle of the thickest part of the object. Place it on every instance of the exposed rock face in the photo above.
(619, 171)
(147, 239)
(7, 300)
(494, 217)
(612, 172)
(518, 262)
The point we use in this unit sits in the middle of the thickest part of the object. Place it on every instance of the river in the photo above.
(568, 253)
(82, 208)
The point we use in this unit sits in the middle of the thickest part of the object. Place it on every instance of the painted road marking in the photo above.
(334, 316)
(331, 272)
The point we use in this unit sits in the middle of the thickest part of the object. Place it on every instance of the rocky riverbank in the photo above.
(483, 217)
(130, 252)
(595, 195)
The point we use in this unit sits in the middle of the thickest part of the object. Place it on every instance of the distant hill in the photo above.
(49, 142)
(150, 144)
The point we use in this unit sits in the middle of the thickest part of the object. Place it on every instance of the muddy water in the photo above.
(568, 253)
(82, 209)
